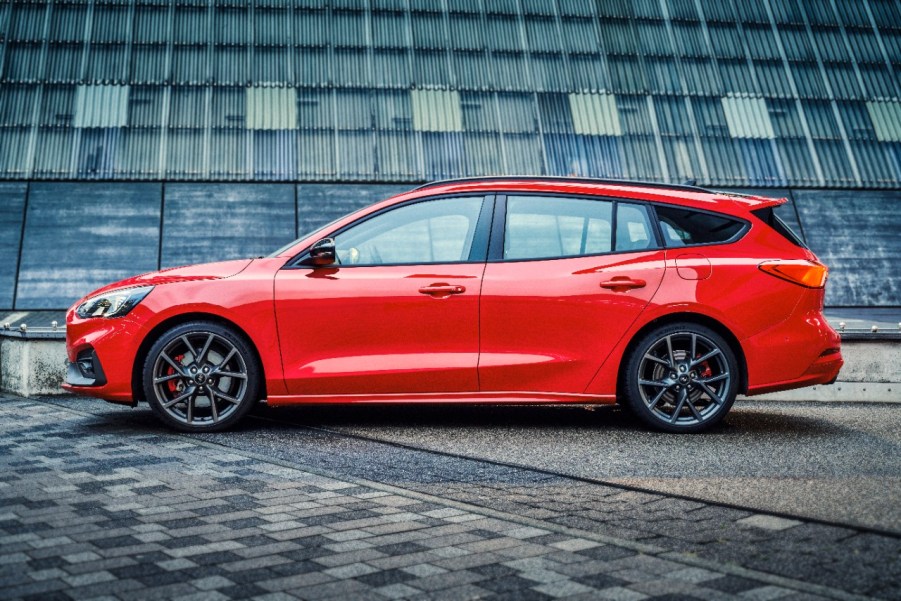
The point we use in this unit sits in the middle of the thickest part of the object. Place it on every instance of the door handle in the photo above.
(442, 289)
(622, 283)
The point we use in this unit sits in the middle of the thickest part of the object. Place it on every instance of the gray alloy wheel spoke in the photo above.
(205, 349)
(191, 401)
(715, 378)
(694, 346)
(225, 361)
(179, 398)
(176, 366)
(162, 379)
(683, 396)
(700, 360)
(213, 408)
(694, 410)
(669, 348)
(184, 338)
(713, 396)
(231, 374)
(656, 400)
(657, 359)
(229, 399)
(654, 383)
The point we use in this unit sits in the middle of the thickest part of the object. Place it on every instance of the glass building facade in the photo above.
(769, 93)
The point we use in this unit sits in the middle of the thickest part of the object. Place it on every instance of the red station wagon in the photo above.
(670, 299)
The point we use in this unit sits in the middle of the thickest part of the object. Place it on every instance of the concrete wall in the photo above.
(32, 367)
(79, 236)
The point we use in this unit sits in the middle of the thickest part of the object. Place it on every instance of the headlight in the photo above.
(112, 304)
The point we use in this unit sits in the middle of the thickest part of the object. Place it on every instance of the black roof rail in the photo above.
(556, 178)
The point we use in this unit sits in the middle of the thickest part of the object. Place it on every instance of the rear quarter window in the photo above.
(686, 227)
(769, 217)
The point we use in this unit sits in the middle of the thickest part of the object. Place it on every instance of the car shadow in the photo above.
(741, 421)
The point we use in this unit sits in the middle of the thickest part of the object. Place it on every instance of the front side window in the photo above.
(684, 227)
(434, 231)
(540, 227)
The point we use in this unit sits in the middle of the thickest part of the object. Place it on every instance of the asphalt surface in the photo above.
(835, 462)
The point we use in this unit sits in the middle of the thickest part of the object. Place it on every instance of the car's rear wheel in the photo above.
(681, 377)
(201, 377)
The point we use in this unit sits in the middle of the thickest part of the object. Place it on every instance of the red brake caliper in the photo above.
(706, 372)
(173, 384)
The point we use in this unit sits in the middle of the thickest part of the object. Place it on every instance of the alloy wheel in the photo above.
(684, 379)
(200, 378)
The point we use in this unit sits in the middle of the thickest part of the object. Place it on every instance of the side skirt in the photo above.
(519, 398)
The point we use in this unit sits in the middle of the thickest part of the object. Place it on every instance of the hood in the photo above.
(188, 273)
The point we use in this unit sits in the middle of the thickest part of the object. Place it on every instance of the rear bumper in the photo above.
(822, 371)
(802, 351)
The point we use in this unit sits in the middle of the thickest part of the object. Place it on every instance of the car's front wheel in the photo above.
(201, 377)
(681, 377)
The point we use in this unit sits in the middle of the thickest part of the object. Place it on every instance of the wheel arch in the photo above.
(687, 317)
(137, 389)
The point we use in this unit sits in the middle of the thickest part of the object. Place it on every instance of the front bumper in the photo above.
(109, 348)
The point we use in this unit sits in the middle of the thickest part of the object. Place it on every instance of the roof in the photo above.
(678, 194)
(551, 178)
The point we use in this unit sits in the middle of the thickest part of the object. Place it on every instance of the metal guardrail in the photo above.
(874, 333)
(22, 331)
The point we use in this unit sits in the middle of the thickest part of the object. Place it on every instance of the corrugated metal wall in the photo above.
(767, 93)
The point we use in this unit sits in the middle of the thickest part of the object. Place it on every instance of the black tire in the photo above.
(681, 377)
(201, 376)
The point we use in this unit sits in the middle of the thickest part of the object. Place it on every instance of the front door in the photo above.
(398, 312)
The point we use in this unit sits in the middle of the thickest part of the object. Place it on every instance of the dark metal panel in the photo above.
(856, 234)
(80, 236)
(215, 222)
(318, 204)
(12, 199)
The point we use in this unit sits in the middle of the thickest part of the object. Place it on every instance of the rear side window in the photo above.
(633, 228)
(546, 227)
(684, 227)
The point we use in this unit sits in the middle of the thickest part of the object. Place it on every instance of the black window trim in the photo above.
(480, 240)
(499, 229)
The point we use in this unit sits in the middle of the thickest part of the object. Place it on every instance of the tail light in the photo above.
(806, 273)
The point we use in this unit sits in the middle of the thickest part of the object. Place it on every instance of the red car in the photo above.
(670, 299)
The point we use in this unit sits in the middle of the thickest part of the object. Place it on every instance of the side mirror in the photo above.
(323, 252)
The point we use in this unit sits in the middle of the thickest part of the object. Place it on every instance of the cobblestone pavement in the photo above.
(106, 506)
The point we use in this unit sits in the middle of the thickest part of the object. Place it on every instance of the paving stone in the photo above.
(764, 593)
(768, 522)
(423, 569)
(563, 588)
(618, 593)
(397, 591)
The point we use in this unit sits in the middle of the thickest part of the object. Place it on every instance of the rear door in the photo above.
(570, 277)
